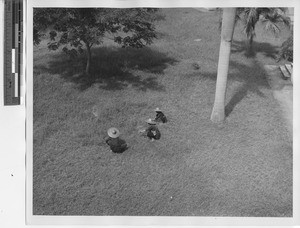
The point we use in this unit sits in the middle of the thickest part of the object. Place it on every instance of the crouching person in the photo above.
(152, 131)
(116, 144)
(160, 116)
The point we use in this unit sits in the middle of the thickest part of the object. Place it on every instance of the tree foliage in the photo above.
(271, 18)
(79, 28)
(286, 50)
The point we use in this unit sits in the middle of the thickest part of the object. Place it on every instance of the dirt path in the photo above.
(282, 92)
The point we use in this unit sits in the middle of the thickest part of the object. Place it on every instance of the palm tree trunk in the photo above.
(251, 41)
(228, 21)
(89, 57)
(249, 45)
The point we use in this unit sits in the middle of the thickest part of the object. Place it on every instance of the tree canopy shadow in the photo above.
(253, 78)
(266, 49)
(112, 68)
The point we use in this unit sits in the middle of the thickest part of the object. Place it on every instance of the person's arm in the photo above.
(143, 132)
(122, 143)
(106, 139)
(157, 117)
(164, 119)
(158, 134)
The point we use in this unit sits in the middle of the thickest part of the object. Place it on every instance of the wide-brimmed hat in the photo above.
(113, 132)
(150, 121)
(157, 110)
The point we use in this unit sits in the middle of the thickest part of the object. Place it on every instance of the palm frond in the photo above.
(276, 18)
(250, 18)
(272, 26)
(286, 50)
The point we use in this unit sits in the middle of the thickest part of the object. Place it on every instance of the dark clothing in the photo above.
(117, 145)
(160, 117)
(153, 132)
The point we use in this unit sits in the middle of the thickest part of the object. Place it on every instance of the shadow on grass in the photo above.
(266, 49)
(252, 78)
(112, 68)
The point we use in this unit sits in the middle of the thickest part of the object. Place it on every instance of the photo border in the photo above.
(155, 220)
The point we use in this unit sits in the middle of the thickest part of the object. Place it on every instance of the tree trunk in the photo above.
(249, 44)
(228, 21)
(251, 41)
(89, 57)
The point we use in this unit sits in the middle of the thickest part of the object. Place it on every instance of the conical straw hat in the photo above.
(113, 132)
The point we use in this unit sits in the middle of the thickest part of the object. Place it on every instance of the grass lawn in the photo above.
(240, 168)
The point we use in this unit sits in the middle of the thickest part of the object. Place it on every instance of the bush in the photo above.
(286, 50)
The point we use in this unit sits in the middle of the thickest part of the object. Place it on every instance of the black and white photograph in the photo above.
(163, 111)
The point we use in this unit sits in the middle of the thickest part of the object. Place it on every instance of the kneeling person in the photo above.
(116, 144)
(152, 131)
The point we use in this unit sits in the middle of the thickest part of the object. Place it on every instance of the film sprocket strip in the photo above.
(13, 56)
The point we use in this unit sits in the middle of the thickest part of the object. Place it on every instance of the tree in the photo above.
(272, 18)
(79, 28)
(228, 22)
